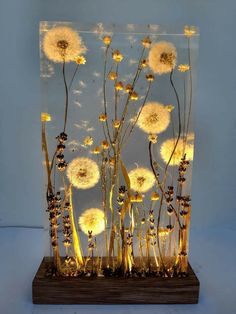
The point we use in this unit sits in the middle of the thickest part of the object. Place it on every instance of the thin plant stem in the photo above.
(66, 96)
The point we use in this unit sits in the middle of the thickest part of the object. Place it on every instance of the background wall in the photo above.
(214, 186)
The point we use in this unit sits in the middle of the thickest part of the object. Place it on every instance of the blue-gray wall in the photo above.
(214, 187)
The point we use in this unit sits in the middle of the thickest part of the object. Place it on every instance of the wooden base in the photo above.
(74, 290)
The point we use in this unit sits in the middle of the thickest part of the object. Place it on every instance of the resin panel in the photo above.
(117, 148)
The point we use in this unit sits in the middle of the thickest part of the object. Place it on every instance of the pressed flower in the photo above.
(152, 138)
(189, 31)
(112, 161)
(102, 117)
(116, 124)
(92, 220)
(162, 57)
(80, 60)
(117, 56)
(154, 118)
(119, 86)
(146, 42)
(183, 67)
(150, 77)
(83, 173)
(181, 149)
(88, 141)
(141, 179)
(45, 117)
(112, 75)
(133, 96)
(155, 196)
(62, 44)
(107, 40)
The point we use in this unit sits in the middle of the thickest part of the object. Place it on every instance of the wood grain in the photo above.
(67, 290)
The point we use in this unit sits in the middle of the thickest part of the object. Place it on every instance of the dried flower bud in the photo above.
(134, 96)
(170, 108)
(144, 63)
(146, 42)
(155, 196)
(117, 56)
(150, 77)
(189, 31)
(104, 145)
(107, 40)
(137, 198)
(45, 117)
(96, 150)
(112, 76)
(116, 124)
(102, 117)
(119, 86)
(128, 88)
(152, 138)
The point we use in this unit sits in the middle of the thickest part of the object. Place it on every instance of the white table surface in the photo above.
(213, 257)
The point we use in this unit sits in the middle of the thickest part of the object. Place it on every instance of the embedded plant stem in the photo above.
(66, 96)
(104, 200)
(191, 90)
(75, 236)
(104, 93)
(72, 79)
(137, 117)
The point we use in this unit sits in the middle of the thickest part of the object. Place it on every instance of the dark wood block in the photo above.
(75, 290)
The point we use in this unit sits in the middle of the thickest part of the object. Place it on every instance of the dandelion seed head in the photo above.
(162, 57)
(92, 219)
(83, 173)
(154, 118)
(141, 179)
(62, 43)
(181, 149)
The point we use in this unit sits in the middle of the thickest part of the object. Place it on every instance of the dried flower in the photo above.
(144, 63)
(150, 77)
(141, 179)
(62, 44)
(183, 67)
(133, 96)
(155, 196)
(116, 124)
(83, 173)
(45, 117)
(80, 60)
(88, 141)
(146, 42)
(162, 57)
(102, 117)
(170, 108)
(119, 86)
(117, 56)
(107, 40)
(189, 31)
(104, 145)
(152, 138)
(112, 75)
(96, 150)
(154, 118)
(128, 88)
(163, 232)
(92, 220)
(181, 149)
(137, 198)
(112, 161)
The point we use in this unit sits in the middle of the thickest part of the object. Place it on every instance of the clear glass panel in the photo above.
(118, 145)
